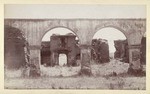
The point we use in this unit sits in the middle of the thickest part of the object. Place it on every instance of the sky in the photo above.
(73, 11)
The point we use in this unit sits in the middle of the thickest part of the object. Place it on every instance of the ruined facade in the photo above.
(67, 44)
(60, 44)
(100, 51)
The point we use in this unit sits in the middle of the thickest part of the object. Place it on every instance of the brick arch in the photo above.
(55, 27)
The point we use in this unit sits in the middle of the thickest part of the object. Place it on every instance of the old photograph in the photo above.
(74, 46)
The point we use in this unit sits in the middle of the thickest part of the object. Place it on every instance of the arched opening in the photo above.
(109, 43)
(59, 48)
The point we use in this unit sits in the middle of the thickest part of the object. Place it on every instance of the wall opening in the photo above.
(62, 60)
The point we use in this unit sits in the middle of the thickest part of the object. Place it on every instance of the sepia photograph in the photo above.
(74, 47)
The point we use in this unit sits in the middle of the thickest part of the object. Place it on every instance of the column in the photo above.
(134, 60)
(34, 62)
(85, 60)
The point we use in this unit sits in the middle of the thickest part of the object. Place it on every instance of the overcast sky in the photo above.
(78, 11)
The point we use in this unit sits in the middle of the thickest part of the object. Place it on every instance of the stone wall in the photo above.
(100, 50)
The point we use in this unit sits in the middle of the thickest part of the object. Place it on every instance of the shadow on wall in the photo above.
(14, 43)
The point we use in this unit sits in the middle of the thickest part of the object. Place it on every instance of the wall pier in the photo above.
(134, 59)
(34, 62)
(85, 60)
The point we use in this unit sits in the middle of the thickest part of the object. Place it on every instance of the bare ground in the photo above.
(67, 78)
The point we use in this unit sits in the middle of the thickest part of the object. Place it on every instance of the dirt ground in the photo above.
(67, 78)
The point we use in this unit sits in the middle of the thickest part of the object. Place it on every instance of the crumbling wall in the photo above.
(122, 51)
(14, 44)
(100, 50)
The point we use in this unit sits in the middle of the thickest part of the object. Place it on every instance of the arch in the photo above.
(111, 49)
(115, 27)
(55, 27)
(109, 38)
